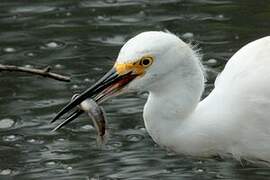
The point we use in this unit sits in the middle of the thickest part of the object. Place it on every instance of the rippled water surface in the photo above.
(80, 39)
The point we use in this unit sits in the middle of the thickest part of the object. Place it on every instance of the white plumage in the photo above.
(234, 119)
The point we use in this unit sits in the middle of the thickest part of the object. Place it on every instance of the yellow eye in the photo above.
(146, 61)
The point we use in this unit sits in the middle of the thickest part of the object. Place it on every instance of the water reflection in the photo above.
(77, 38)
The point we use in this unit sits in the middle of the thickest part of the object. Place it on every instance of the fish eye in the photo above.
(146, 61)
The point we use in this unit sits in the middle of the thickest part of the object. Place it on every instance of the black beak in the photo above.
(109, 85)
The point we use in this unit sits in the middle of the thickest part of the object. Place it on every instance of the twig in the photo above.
(42, 72)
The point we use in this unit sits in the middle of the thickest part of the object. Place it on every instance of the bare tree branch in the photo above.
(42, 72)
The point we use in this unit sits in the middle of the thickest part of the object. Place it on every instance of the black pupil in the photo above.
(146, 62)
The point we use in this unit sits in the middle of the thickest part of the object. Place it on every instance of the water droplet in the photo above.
(97, 69)
(199, 170)
(35, 141)
(116, 144)
(30, 54)
(211, 61)
(74, 87)
(5, 172)
(68, 14)
(100, 18)
(52, 45)
(31, 140)
(28, 66)
(6, 123)
(130, 20)
(87, 127)
(188, 35)
(69, 168)
(9, 49)
(88, 80)
(134, 137)
(103, 18)
(51, 163)
(220, 16)
(59, 66)
(11, 138)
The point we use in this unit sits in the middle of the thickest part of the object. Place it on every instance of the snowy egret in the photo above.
(233, 120)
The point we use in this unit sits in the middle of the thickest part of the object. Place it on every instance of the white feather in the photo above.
(234, 119)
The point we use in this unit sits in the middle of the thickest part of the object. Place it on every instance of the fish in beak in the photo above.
(111, 84)
(96, 114)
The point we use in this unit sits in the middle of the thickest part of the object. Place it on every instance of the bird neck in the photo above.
(172, 102)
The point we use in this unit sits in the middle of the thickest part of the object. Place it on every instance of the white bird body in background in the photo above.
(234, 119)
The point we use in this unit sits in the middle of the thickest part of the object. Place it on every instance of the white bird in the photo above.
(233, 120)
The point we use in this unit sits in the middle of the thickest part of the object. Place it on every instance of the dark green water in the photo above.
(76, 38)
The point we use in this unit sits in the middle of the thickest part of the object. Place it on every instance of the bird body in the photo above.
(234, 119)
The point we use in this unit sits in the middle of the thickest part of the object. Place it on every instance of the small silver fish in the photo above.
(98, 116)
(95, 112)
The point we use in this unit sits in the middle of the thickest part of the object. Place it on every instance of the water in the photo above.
(80, 38)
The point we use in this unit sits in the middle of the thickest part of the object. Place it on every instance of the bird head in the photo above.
(141, 64)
